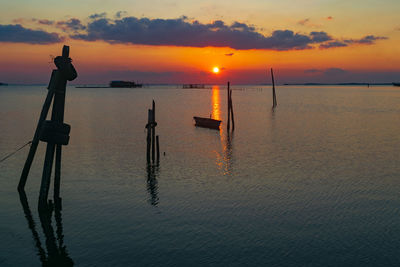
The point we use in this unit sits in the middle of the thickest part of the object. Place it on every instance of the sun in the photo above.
(215, 70)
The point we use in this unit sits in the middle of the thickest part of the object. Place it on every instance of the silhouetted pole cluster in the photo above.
(274, 104)
(230, 110)
(152, 139)
(54, 132)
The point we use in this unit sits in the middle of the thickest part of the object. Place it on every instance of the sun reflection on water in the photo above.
(216, 103)
(223, 157)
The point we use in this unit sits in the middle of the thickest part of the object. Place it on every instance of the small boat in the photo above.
(396, 84)
(207, 123)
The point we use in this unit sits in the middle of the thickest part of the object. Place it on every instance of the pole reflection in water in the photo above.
(224, 160)
(152, 184)
(57, 254)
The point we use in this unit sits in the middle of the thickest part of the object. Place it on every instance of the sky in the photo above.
(155, 41)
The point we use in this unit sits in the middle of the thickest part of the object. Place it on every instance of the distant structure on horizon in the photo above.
(3, 84)
(124, 84)
(193, 86)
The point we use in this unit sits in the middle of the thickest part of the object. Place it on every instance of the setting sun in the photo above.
(216, 70)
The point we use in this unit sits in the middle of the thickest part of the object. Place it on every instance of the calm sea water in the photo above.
(314, 183)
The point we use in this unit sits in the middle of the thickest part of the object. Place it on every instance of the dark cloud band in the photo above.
(180, 32)
(18, 34)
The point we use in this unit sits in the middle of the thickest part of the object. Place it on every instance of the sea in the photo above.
(312, 182)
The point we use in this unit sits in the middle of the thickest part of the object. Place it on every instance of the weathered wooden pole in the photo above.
(229, 109)
(57, 178)
(148, 126)
(273, 90)
(158, 149)
(153, 132)
(35, 142)
(231, 106)
(56, 132)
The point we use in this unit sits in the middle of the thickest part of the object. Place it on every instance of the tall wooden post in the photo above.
(273, 90)
(57, 117)
(153, 132)
(148, 126)
(229, 108)
(152, 140)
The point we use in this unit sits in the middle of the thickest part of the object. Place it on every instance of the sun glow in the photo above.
(216, 70)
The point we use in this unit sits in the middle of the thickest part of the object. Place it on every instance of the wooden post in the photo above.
(231, 106)
(153, 132)
(148, 126)
(273, 90)
(229, 109)
(56, 116)
(57, 178)
(158, 149)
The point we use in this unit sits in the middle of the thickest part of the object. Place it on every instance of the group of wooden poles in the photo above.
(54, 132)
(153, 145)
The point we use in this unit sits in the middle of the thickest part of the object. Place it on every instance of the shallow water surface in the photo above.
(314, 182)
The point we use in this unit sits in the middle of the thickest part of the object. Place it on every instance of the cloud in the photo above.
(326, 72)
(119, 14)
(181, 32)
(333, 44)
(229, 54)
(303, 22)
(320, 37)
(366, 40)
(18, 34)
(73, 24)
(334, 72)
(307, 22)
(45, 22)
(369, 39)
(99, 15)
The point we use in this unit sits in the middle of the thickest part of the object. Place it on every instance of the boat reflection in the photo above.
(224, 159)
(152, 184)
(57, 254)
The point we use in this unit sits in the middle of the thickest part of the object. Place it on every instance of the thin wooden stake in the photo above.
(35, 141)
(231, 106)
(273, 90)
(229, 109)
(148, 126)
(153, 132)
(158, 149)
